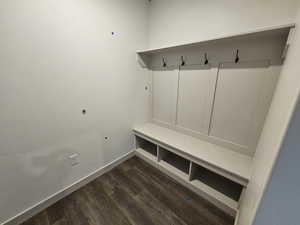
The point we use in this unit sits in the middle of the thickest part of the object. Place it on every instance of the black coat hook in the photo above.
(164, 62)
(206, 60)
(182, 61)
(237, 59)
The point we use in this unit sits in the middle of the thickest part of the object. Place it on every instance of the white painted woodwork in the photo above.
(272, 151)
(217, 198)
(174, 170)
(195, 98)
(215, 194)
(164, 95)
(145, 154)
(243, 97)
(259, 44)
(221, 160)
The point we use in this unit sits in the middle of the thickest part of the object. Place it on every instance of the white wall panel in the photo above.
(174, 22)
(56, 59)
(164, 96)
(270, 143)
(242, 101)
(195, 98)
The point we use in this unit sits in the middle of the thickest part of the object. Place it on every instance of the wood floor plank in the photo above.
(89, 210)
(174, 193)
(190, 215)
(127, 203)
(56, 215)
(73, 212)
(106, 211)
(134, 193)
(39, 219)
(159, 214)
(184, 192)
(123, 181)
(62, 222)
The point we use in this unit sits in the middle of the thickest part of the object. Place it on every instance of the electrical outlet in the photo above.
(74, 159)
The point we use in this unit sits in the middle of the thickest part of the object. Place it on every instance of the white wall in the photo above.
(177, 22)
(56, 58)
(276, 124)
(280, 203)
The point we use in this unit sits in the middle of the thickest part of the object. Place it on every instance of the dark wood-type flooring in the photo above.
(134, 193)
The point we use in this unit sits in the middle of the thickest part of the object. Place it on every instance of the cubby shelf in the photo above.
(195, 174)
(145, 155)
(216, 196)
(173, 170)
(179, 172)
(230, 164)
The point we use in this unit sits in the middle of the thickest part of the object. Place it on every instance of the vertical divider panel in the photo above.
(136, 145)
(242, 195)
(161, 153)
(134, 142)
(151, 96)
(213, 102)
(158, 153)
(192, 171)
(177, 98)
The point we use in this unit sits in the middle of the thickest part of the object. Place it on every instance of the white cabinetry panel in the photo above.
(242, 102)
(195, 98)
(164, 96)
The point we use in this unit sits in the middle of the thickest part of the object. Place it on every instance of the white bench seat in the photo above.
(221, 160)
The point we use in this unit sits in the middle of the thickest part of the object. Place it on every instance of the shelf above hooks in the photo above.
(262, 44)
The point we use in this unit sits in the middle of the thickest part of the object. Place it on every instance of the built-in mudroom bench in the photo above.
(208, 103)
(216, 173)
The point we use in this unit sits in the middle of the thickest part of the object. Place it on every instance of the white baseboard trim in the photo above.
(28, 213)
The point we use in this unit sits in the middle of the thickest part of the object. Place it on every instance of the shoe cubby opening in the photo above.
(174, 160)
(223, 185)
(146, 145)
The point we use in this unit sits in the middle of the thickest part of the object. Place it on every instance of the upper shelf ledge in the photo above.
(275, 29)
(266, 44)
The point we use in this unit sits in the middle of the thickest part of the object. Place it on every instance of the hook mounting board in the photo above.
(262, 44)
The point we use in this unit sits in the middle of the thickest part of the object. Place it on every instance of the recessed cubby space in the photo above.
(146, 148)
(174, 162)
(217, 182)
(216, 173)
